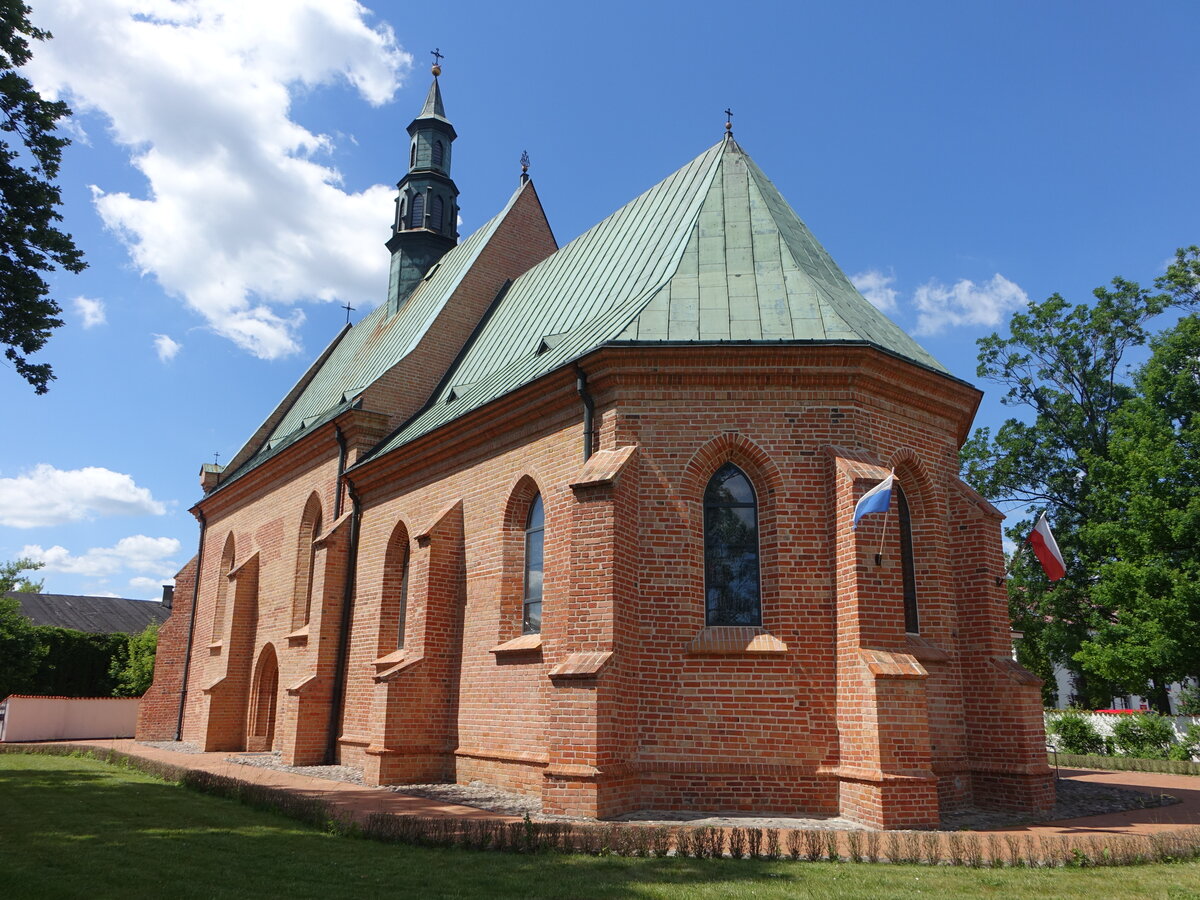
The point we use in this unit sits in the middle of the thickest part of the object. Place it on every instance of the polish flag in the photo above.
(1045, 548)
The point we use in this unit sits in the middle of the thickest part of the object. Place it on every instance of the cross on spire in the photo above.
(216, 459)
(349, 309)
(438, 56)
(728, 120)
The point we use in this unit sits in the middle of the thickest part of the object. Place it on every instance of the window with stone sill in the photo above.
(393, 607)
(535, 542)
(306, 551)
(731, 555)
(912, 623)
(223, 570)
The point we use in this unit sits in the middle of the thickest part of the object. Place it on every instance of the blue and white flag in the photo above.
(875, 500)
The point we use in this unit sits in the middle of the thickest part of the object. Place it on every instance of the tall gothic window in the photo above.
(227, 554)
(412, 155)
(439, 153)
(418, 211)
(435, 213)
(306, 551)
(393, 608)
(731, 578)
(535, 535)
(912, 623)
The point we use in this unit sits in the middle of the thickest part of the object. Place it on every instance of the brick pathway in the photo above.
(357, 801)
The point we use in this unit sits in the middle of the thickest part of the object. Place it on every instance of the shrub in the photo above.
(1189, 701)
(1074, 733)
(1146, 735)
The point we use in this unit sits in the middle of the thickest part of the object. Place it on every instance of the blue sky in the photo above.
(234, 164)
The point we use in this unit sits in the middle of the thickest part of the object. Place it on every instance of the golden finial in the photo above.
(437, 61)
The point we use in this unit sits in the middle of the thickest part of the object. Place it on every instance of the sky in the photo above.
(233, 168)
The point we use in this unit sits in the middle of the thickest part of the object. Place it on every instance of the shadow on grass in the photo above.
(76, 827)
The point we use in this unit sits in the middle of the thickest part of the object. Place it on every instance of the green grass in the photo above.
(1126, 763)
(76, 827)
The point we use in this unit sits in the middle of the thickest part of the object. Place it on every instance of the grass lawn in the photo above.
(74, 827)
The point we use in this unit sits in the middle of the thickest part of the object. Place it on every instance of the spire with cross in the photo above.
(438, 56)
(728, 121)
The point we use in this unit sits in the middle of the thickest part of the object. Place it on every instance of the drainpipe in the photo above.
(338, 700)
(589, 410)
(337, 493)
(187, 656)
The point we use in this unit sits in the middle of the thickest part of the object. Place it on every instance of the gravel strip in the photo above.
(274, 760)
(173, 746)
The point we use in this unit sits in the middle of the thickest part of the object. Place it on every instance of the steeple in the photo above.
(426, 221)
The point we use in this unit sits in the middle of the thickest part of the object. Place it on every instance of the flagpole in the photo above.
(883, 536)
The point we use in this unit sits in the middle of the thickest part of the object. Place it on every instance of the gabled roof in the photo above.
(712, 253)
(367, 350)
(98, 615)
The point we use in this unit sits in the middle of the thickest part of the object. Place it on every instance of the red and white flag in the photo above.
(1045, 548)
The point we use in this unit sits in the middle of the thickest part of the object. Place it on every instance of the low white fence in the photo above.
(1103, 723)
(66, 718)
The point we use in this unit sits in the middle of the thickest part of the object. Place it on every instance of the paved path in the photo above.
(359, 802)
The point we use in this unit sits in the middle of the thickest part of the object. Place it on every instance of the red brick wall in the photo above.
(852, 716)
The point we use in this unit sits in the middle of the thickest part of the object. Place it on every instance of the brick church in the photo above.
(577, 522)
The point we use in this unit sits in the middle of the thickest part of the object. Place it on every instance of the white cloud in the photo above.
(199, 92)
(90, 312)
(48, 496)
(166, 347)
(148, 588)
(138, 553)
(876, 287)
(966, 303)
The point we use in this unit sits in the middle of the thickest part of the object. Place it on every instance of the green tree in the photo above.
(1065, 366)
(1146, 536)
(30, 241)
(21, 651)
(134, 671)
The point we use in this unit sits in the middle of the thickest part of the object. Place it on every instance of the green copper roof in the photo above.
(711, 253)
(433, 108)
(378, 342)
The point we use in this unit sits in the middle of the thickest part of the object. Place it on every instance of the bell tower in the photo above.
(426, 222)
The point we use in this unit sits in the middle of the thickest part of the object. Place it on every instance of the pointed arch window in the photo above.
(403, 210)
(418, 211)
(306, 552)
(731, 571)
(912, 622)
(227, 554)
(435, 213)
(412, 154)
(535, 535)
(439, 152)
(394, 608)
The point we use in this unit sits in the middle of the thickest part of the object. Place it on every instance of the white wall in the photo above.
(67, 718)
(1103, 723)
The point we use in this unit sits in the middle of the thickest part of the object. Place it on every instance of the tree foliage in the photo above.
(30, 241)
(134, 671)
(1145, 538)
(21, 652)
(1066, 367)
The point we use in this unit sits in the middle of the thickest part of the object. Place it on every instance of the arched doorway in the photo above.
(261, 731)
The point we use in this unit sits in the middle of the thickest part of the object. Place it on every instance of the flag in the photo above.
(1045, 548)
(875, 500)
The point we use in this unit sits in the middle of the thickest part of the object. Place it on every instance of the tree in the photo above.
(30, 241)
(21, 651)
(1146, 537)
(135, 671)
(1065, 365)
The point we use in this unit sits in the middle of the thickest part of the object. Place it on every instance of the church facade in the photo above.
(578, 522)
